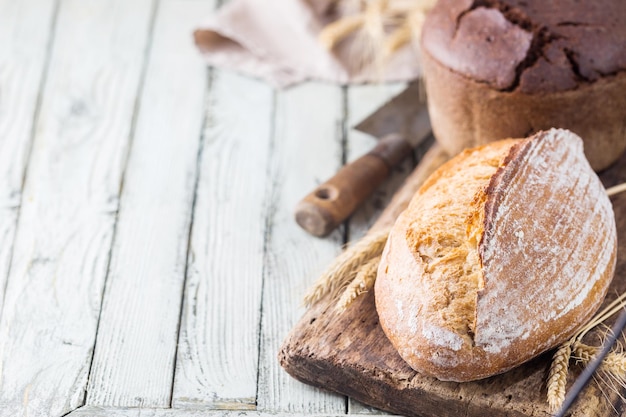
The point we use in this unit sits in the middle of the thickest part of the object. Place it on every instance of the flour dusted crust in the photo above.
(502, 254)
(509, 68)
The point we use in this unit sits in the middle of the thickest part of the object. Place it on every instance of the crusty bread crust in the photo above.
(504, 68)
(467, 113)
(503, 253)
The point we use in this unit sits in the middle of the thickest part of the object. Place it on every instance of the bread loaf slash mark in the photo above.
(445, 241)
(554, 181)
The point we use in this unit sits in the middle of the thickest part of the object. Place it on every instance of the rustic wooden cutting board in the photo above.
(349, 353)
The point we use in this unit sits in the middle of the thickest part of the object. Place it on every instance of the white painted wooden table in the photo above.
(149, 261)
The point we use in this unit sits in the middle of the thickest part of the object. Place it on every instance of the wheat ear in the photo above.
(614, 363)
(370, 40)
(409, 30)
(612, 370)
(371, 24)
(375, 18)
(346, 266)
(335, 32)
(398, 38)
(583, 353)
(362, 283)
(370, 19)
(558, 376)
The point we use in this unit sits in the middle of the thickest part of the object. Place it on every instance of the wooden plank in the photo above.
(362, 101)
(136, 345)
(219, 336)
(165, 412)
(307, 149)
(50, 315)
(350, 354)
(25, 30)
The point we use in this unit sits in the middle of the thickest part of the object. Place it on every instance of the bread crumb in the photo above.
(446, 236)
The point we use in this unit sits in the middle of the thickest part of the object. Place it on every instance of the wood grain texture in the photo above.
(306, 150)
(362, 101)
(61, 252)
(25, 33)
(164, 412)
(350, 354)
(136, 346)
(219, 337)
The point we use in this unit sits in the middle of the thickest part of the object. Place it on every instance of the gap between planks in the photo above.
(68, 206)
(168, 412)
(278, 213)
(217, 361)
(307, 150)
(238, 128)
(25, 44)
(361, 102)
(136, 344)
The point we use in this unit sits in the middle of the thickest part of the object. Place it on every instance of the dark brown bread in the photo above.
(508, 68)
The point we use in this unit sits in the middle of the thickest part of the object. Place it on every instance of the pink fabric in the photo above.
(276, 40)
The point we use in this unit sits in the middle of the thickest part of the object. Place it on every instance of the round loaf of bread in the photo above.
(503, 253)
(508, 68)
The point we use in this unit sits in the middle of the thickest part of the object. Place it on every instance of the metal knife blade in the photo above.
(406, 114)
(400, 125)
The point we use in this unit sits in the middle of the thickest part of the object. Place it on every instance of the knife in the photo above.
(401, 124)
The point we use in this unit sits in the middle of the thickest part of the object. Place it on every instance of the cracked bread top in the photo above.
(532, 46)
(502, 254)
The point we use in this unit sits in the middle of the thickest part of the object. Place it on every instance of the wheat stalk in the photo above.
(362, 283)
(347, 7)
(375, 13)
(614, 365)
(381, 28)
(616, 189)
(612, 372)
(409, 29)
(346, 267)
(583, 353)
(608, 311)
(335, 31)
(397, 39)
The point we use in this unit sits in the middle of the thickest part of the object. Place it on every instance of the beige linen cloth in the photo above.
(276, 40)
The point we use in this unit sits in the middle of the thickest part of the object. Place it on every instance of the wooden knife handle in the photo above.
(331, 203)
